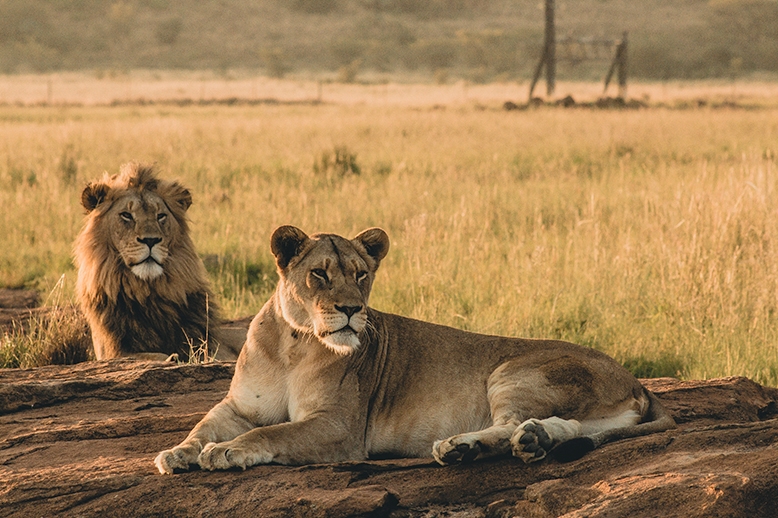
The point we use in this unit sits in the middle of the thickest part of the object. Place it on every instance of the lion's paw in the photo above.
(169, 461)
(456, 449)
(531, 442)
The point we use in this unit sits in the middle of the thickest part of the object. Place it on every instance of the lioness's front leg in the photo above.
(222, 423)
(310, 441)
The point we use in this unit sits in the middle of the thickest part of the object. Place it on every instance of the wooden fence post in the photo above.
(548, 57)
(619, 65)
(622, 73)
(550, 49)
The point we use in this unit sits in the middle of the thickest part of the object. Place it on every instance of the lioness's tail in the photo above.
(657, 419)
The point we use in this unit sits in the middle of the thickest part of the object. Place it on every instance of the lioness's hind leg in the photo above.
(465, 447)
(534, 438)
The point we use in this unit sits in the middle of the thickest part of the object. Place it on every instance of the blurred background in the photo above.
(386, 40)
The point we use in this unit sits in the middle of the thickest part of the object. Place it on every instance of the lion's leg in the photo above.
(222, 423)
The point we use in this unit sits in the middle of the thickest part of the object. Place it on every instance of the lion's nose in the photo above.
(349, 310)
(149, 241)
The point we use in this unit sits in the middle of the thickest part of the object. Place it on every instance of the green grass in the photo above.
(647, 234)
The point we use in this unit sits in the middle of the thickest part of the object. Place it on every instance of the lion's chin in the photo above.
(147, 270)
(341, 342)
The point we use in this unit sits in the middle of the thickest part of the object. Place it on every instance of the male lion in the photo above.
(324, 378)
(141, 286)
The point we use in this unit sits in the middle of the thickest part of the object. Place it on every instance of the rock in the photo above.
(80, 441)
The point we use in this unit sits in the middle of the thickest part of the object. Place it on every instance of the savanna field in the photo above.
(649, 234)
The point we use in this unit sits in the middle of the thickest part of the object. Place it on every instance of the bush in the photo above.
(342, 162)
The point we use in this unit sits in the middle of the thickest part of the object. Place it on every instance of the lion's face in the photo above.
(137, 217)
(325, 282)
(141, 231)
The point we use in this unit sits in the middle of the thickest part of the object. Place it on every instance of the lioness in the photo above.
(324, 378)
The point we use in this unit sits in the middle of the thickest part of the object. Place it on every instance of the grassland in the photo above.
(648, 234)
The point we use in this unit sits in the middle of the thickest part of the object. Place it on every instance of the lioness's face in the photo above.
(326, 281)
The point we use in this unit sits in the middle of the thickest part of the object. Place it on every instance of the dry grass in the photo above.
(59, 336)
(647, 234)
(85, 89)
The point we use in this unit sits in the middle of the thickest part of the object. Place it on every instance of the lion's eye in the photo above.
(126, 216)
(361, 276)
(319, 274)
(161, 217)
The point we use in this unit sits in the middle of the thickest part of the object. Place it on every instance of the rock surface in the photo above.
(80, 440)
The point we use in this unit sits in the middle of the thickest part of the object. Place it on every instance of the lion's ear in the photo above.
(376, 243)
(93, 195)
(180, 195)
(287, 241)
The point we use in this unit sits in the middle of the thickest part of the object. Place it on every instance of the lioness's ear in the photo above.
(93, 195)
(376, 243)
(286, 243)
(178, 194)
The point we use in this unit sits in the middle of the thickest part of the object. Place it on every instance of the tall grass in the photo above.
(647, 234)
(58, 336)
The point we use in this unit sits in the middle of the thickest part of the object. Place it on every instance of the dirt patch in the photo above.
(10, 298)
(17, 307)
(80, 440)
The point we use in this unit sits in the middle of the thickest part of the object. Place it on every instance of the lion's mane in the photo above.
(128, 314)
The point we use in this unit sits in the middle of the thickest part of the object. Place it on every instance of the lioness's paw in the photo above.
(231, 454)
(219, 456)
(531, 442)
(170, 460)
(455, 449)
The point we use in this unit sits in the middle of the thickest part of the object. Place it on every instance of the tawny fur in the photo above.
(161, 307)
(324, 378)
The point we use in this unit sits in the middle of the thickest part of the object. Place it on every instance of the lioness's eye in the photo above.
(161, 217)
(319, 274)
(126, 216)
(361, 276)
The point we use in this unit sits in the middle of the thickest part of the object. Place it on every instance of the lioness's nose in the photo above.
(149, 241)
(348, 310)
